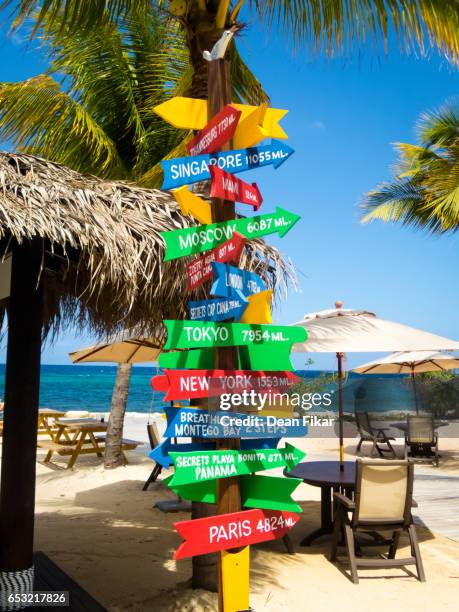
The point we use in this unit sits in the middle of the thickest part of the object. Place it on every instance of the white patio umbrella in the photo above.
(341, 330)
(412, 362)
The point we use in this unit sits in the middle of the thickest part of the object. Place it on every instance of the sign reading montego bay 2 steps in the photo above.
(189, 170)
(208, 465)
(196, 423)
(199, 334)
(266, 492)
(192, 240)
(213, 533)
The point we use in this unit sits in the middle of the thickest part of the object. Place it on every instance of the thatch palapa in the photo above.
(103, 253)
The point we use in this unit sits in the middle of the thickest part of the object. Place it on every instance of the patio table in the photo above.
(45, 416)
(328, 476)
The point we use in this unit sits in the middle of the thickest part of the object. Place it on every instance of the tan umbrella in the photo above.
(412, 362)
(341, 330)
(123, 348)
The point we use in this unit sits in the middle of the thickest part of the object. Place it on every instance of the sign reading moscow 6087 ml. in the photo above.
(192, 240)
(198, 334)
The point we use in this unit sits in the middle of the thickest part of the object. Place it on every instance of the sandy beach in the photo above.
(102, 529)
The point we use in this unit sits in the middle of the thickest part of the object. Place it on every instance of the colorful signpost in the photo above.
(213, 533)
(189, 170)
(266, 492)
(200, 465)
(228, 187)
(193, 240)
(230, 281)
(217, 132)
(183, 384)
(160, 453)
(199, 334)
(200, 270)
(196, 423)
(220, 309)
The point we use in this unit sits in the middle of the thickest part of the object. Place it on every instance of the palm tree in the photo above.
(425, 190)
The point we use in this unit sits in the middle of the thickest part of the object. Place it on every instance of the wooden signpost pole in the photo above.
(228, 493)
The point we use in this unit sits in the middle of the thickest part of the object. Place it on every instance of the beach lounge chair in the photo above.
(421, 439)
(382, 502)
(155, 440)
(376, 436)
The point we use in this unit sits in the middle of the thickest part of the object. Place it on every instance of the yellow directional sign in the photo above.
(191, 114)
(234, 578)
(258, 311)
(250, 130)
(191, 204)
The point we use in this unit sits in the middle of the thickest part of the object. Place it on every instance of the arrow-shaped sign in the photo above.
(192, 205)
(182, 384)
(251, 128)
(198, 334)
(197, 423)
(193, 240)
(216, 133)
(160, 453)
(192, 114)
(267, 357)
(189, 170)
(200, 270)
(228, 187)
(266, 492)
(230, 281)
(258, 309)
(219, 309)
(209, 465)
(222, 532)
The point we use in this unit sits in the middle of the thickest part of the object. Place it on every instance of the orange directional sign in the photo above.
(192, 205)
(258, 311)
(191, 114)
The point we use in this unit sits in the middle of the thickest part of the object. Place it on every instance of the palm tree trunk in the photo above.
(113, 456)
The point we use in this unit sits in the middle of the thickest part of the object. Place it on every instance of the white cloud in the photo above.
(317, 125)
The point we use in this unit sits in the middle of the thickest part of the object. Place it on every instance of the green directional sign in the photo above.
(268, 357)
(205, 334)
(265, 492)
(199, 466)
(192, 240)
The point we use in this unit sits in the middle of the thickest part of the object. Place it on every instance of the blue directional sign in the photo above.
(197, 423)
(160, 454)
(188, 170)
(230, 281)
(220, 309)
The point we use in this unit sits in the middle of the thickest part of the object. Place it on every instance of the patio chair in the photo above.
(376, 436)
(155, 439)
(382, 502)
(421, 439)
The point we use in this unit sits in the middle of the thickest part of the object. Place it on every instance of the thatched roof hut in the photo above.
(103, 250)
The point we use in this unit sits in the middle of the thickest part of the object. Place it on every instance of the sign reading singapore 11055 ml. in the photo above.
(198, 334)
(213, 533)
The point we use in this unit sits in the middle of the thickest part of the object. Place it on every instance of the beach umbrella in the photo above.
(412, 363)
(341, 330)
(125, 347)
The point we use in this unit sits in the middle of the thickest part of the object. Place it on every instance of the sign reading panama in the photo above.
(196, 423)
(193, 240)
(189, 170)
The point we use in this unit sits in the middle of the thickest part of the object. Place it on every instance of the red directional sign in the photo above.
(229, 187)
(216, 133)
(225, 531)
(199, 270)
(185, 384)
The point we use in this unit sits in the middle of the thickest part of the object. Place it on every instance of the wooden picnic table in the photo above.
(45, 416)
(75, 437)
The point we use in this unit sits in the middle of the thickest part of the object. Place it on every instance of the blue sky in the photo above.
(343, 117)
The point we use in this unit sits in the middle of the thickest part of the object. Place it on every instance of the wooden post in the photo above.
(339, 356)
(22, 381)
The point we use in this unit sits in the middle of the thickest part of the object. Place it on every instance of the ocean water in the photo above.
(83, 387)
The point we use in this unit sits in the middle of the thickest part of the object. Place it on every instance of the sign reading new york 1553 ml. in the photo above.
(193, 240)
(213, 533)
(198, 334)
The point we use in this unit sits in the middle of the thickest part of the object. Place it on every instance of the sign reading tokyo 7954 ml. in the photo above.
(198, 334)
(189, 170)
(217, 132)
(229, 187)
(213, 533)
(192, 240)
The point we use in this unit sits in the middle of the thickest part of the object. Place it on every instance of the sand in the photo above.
(101, 528)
